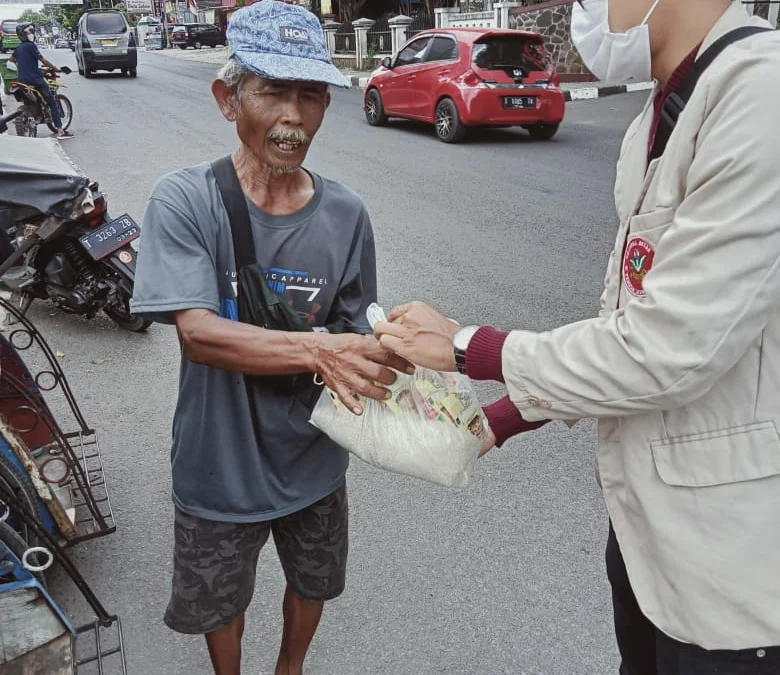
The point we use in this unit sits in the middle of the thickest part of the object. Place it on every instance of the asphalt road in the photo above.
(504, 577)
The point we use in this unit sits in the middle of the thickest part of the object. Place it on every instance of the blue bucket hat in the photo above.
(282, 42)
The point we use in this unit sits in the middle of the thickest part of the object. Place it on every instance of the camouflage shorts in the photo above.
(214, 563)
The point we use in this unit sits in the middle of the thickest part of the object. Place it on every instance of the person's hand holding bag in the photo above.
(421, 335)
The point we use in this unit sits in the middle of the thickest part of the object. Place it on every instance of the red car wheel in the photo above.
(375, 110)
(449, 128)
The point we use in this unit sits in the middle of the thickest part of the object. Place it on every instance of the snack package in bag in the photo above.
(432, 428)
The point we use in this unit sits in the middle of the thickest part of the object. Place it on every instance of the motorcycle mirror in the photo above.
(66, 70)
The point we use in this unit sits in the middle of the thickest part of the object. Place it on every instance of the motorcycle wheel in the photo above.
(26, 126)
(66, 110)
(20, 485)
(122, 317)
(17, 545)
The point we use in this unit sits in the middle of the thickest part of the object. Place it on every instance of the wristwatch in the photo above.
(460, 343)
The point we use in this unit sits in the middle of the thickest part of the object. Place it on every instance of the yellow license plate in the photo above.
(108, 43)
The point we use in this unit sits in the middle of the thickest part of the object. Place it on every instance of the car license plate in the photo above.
(523, 102)
(108, 43)
(106, 239)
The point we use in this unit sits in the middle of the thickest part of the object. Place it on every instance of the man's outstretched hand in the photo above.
(421, 335)
(356, 364)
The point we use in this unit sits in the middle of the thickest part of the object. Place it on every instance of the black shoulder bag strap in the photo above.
(243, 243)
(676, 102)
(238, 212)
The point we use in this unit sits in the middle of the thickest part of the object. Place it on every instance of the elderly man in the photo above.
(682, 367)
(257, 239)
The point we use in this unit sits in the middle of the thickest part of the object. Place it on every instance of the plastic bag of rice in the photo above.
(432, 428)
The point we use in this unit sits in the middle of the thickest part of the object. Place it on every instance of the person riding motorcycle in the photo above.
(26, 57)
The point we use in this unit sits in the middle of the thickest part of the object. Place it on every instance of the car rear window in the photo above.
(108, 23)
(9, 26)
(508, 51)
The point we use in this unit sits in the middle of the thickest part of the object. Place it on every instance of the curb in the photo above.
(359, 82)
(574, 94)
(590, 93)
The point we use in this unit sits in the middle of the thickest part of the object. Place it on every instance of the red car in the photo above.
(469, 77)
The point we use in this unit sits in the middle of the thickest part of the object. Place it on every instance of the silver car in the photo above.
(105, 42)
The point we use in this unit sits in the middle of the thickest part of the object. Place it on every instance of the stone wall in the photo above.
(553, 21)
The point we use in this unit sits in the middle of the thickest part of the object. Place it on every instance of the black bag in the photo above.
(257, 303)
(676, 102)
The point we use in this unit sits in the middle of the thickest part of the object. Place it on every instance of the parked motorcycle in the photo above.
(57, 240)
(35, 110)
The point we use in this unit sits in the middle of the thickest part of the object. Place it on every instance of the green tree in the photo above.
(38, 18)
(67, 16)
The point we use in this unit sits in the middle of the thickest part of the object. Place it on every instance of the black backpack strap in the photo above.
(238, 212)
(676, 102)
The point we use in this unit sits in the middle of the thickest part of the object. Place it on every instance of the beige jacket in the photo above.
(683, 365)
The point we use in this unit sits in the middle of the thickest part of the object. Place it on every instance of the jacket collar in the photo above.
(735, 16)
(634, 174)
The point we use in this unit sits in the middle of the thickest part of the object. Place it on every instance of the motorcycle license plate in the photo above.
(106, 239)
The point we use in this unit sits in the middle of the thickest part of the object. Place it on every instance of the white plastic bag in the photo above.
(432, 428)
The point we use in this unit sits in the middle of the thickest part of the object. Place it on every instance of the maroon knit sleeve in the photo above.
(483, 357)
(506, 421)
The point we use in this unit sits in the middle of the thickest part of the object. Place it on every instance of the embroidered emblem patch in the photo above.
(293, 34)
(636, 264)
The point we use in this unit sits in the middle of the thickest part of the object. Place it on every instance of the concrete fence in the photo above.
(364, 49)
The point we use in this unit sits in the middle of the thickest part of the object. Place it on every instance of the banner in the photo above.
(139, 6)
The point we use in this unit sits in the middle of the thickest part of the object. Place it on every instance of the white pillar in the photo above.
(443, 15)
(501, 12)
(362, 27)
(399, 25)
(330, 28)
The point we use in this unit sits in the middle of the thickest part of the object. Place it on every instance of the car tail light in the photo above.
(131, 40)
(96, 217)
(84, 41)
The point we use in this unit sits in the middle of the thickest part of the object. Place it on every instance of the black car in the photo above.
(198, 35)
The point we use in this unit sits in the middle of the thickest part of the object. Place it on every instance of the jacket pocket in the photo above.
(645, 222)
(733, 455)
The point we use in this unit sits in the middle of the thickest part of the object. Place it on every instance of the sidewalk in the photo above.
(216, 56)
(574, 91)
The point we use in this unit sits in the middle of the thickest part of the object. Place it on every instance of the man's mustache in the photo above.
(293, 136)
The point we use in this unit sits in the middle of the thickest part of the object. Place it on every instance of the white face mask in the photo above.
(612, 57)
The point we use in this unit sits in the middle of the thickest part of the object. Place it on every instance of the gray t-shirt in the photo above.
(322, 261)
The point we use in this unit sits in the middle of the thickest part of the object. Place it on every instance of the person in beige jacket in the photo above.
(682, 365)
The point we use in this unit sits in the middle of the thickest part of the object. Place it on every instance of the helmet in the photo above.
(26, 31)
